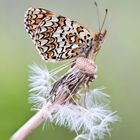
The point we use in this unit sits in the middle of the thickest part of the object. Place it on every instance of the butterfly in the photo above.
(59, 38)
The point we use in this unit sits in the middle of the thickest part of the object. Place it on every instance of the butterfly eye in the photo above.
(100, 37)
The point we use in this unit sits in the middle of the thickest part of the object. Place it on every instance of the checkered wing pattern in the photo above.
(56, 37)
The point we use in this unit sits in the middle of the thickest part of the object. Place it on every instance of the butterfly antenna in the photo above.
(95, 3)
(106, 11)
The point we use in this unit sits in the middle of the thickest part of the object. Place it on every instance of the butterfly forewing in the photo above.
(56, 37)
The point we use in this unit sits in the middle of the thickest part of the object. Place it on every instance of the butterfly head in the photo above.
(99, 37)
(98, 40)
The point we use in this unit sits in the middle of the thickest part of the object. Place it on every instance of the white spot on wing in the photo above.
(74, 46)
(43, 29)
(44, 41)
(48, 23)
(54, 19)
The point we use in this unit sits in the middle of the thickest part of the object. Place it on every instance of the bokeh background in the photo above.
(118, 63)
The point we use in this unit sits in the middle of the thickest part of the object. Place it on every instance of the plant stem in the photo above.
(32, 123)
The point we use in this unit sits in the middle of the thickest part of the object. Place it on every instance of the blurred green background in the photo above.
(118, 63)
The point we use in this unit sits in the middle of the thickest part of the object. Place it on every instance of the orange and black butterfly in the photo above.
(58, 38)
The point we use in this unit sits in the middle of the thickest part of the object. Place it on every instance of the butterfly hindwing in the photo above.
(56, 37)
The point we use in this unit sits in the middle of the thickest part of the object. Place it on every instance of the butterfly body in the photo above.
(58, 38)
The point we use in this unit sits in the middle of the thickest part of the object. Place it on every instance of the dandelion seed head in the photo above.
(40, 80)
(91, 122)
